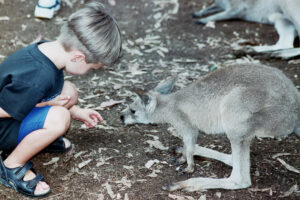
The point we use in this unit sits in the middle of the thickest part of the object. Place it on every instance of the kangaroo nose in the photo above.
(122, 118)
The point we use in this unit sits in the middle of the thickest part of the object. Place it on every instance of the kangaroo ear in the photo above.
(152, 104)
(166, 86)
(142, 95)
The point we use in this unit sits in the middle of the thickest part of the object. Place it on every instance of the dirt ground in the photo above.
(159, 39)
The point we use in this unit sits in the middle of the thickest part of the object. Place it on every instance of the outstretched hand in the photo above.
(88, 116)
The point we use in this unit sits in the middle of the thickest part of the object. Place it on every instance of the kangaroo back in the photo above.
(260, 98)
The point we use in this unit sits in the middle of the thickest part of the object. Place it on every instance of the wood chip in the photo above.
(157, 144)
(4, 18)
(150, 163)
(289, 167)
(290, 191)
(112, 2)
(108, 104)
(84, 163)
(280, 154)
(109, 190)
(176, 197)
(52, 161)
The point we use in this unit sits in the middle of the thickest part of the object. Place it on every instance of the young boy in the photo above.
(36, 104)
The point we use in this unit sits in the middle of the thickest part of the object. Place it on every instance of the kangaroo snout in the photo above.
(122, 118)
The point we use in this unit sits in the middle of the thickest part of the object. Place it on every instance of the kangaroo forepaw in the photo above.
(194, 15)
(176, 161)
(171, 187)
(200, 22)
(176, 150)
(188, 170)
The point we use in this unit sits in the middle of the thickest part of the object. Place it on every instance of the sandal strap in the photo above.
(21, 171)
(3, 172)
(32, 183)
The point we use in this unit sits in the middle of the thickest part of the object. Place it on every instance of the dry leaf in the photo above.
(125, 182)
(100, 197)
(218, 194)
(176, 197)
(126, 197)
(69, 3)
(112, 2)
(91, 96)
(157, 144)
(150, 163)
(289, 167)
(210, 24)
(280, 154)
(79, 154)
(109, 190)
(108, 104)
(52, 161)
(107, 127)
(84, 163)
(153, 174)
(290, 191)
(4, 18)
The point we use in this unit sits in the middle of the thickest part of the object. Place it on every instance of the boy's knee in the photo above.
(58, 119)
(69, 89)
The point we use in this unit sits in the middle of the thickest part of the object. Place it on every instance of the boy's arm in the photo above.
(60, 100)
(3, 113)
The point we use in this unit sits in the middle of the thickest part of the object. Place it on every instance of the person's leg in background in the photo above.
(47, 8)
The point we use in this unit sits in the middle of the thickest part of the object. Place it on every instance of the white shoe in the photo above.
(46, 8)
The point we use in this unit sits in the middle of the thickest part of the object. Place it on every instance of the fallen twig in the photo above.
(289, 167)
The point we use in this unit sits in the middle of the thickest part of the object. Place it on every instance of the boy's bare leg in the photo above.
(56, 124)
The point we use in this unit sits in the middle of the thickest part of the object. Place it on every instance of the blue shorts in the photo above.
(33, 121)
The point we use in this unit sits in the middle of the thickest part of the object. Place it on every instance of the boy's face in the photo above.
(78, 66)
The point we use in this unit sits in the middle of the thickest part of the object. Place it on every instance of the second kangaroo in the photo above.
(283, 14)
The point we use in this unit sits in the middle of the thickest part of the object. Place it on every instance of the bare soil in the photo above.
(109, 162)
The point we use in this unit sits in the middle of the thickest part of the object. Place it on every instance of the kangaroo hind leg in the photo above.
(239, 178)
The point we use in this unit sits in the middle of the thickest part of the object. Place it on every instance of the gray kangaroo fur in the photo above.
(242, 101)
(283, 14)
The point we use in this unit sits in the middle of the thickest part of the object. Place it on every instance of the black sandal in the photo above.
(13, 177)
(58, 146)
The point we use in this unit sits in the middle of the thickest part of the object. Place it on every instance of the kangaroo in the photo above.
(242, 101)
(283, 14)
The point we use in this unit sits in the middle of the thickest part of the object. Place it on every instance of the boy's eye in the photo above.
(132, 111)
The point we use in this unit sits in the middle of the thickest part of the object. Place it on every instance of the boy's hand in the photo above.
(88, 116)
(60, 100)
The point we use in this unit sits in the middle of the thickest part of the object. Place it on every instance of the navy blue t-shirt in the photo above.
(27, 77)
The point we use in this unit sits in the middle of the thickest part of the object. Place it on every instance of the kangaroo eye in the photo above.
(132, 111)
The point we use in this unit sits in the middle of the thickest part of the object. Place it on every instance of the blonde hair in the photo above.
(94, 32)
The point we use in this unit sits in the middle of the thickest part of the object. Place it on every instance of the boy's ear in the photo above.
(77, 56)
